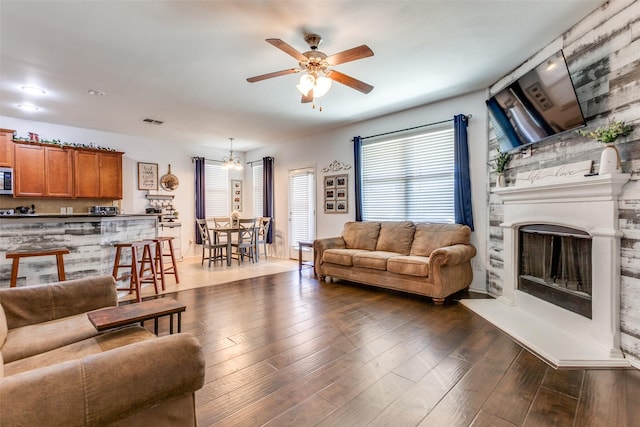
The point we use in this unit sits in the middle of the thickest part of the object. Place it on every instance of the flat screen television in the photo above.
(540, 104)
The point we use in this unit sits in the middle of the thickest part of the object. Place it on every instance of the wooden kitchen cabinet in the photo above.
(98, 174)
(110, 175)
(6, 147)
(58, 165)
(28, 170)
(42, 171)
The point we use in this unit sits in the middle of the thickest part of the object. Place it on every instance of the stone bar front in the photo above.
(89, 239)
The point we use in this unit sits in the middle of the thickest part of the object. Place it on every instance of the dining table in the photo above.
(228, 230)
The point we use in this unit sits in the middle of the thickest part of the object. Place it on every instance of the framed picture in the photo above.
(329, 182)
(335, 194)
(147, 176)
(330, 194)
(236, 195)
(330, 206)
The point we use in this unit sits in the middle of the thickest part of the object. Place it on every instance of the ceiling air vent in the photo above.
(153, 122)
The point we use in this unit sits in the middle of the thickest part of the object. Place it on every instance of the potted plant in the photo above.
(610, 158)
(499, 164)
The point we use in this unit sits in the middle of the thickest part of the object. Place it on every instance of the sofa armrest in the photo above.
(29, 305)
(104, 388)
(452, 255)
(320, 245)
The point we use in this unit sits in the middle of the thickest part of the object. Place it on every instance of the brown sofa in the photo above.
(56, 369)
(426, 259)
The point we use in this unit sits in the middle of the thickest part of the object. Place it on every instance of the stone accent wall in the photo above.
(603, 55)
(89, 240)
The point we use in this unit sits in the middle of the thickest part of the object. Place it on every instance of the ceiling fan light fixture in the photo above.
(323, 84)
(306, 84)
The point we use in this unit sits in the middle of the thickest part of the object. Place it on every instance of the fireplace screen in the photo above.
(555, 265)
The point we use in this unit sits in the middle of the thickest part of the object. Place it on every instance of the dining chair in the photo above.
(261, 235)
(221, 222)
(245, 245)
(216, 250)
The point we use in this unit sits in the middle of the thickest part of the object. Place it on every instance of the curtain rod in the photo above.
(468, 116)
(254, 161)
(193, 159)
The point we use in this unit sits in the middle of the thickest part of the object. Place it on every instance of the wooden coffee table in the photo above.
(127, 314)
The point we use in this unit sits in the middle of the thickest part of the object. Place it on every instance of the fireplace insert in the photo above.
(555, 266)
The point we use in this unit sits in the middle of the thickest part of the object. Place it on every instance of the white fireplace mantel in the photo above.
(563, 338)
(574, 189)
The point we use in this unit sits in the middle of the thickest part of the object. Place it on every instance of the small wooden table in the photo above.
(127, 314)
(302, 263)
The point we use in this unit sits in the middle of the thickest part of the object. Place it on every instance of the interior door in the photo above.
(302, 209)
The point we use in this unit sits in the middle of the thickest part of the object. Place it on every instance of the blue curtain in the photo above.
(357, 161)
(200, 192)
(461, 177)
(267, 199)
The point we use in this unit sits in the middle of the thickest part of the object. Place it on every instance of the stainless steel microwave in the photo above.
(6, 181)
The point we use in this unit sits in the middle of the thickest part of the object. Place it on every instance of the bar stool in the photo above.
(137, 268)
(16, 255)
(161, 270)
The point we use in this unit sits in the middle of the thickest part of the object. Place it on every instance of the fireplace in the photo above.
(555, 266)
(569, 226)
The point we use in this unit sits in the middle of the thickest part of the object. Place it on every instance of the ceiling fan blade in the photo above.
(271, 75)
(287, 49)
(308, 97)
(350, 55)
(356, 84)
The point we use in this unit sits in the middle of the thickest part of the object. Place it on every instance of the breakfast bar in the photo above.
(89, 239)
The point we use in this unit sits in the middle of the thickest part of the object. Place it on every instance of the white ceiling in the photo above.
(186, 62)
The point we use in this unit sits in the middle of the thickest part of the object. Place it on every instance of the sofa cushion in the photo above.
(417, 266)
(376, 260)
(361, 235)
(35, 339)
(340, 256)
(396, 236)
(429, 237)
(95, 345)
(3, 327)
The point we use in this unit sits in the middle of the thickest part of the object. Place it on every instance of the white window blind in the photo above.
(258, 191)
(302, 207)
(409, 177)
(216, 180)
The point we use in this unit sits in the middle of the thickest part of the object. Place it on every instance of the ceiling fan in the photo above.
(318, 68)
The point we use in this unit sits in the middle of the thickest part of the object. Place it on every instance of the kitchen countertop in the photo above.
(75, 215)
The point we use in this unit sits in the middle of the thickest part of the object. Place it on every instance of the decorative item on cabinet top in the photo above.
(35, 138)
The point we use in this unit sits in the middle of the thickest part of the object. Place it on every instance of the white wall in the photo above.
(136, 150)
(316, 151)
(322, 149)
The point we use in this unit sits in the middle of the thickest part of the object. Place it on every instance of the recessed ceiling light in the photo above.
(28, 107)
(95, 92)
(34, 90)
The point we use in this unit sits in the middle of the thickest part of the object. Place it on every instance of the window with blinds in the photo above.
(302, 206)
(258, 191)
(217, 198)
(409, 177)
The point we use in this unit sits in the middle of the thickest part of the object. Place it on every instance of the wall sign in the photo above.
(147, 176)
(335, 194)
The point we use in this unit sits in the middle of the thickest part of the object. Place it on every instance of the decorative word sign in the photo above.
(336, 166)
(555, 174)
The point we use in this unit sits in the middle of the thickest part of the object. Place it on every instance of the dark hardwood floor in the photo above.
(286, 350)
